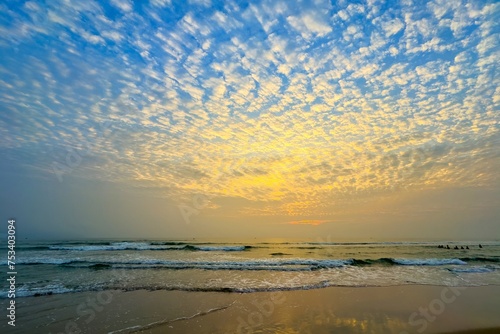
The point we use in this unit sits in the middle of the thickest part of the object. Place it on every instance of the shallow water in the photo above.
(211, 265)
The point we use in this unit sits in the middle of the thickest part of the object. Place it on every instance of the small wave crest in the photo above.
(50, 289)
(270, 265)
(53, 289)
(429, 262)
(143, 246)
(264, 264)
(38, 260)
(117, 246)
(406, 262)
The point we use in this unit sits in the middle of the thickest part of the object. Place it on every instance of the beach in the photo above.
(395, 309)
(253, 286)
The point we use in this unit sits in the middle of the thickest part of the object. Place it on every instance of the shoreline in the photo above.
(243, 291)
(395, 309)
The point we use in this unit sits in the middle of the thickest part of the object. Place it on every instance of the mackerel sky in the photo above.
(273, 118)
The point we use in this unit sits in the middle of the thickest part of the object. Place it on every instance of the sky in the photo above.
(202, 118)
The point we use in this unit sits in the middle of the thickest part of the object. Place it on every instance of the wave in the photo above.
(274, 263)
(116, 246)
(30, 247)
(407, 262)
(39, 261)
(312, 286)
(78, 243)
(428, 262)
(143, 246)
(52, 289)
(269, 265)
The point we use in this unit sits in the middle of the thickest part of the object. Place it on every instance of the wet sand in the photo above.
(399, 309)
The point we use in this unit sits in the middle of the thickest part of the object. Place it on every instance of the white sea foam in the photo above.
(24, 291)
(264, 264)
(117, 246)
(429, 262)
(208, 265)
(43, 260)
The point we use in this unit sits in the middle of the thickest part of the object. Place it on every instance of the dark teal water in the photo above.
(51, 267)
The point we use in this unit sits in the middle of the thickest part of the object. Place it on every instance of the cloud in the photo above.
(308, 222)
(230, 103)
(309, 24)
(161, 3)
(205, 3)
(123, 5)
(392, 27)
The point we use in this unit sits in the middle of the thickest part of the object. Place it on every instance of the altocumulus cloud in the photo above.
(277, 102)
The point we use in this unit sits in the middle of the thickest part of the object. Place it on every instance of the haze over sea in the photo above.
(53, 267)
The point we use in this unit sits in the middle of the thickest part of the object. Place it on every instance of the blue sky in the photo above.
(303, 113)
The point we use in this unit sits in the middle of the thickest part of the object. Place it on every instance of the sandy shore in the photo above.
(400, 309)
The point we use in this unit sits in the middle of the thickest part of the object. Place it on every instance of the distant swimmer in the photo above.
(462, 247)
(447, 246)
(480, 246)
(466, 247)
(456, 247)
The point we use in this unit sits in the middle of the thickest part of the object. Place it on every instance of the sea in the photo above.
(57, 267)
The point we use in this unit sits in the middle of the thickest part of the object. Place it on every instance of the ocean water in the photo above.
(52, 267)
